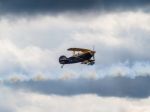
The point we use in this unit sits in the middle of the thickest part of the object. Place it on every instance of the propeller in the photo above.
(94, 53)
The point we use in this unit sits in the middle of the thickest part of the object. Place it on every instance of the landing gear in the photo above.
(62, 65)
(91, 63)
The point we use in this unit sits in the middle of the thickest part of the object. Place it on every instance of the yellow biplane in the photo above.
(80, 55)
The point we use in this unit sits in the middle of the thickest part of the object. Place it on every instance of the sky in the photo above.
(34, 33)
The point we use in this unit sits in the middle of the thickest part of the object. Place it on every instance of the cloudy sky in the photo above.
(34, 33)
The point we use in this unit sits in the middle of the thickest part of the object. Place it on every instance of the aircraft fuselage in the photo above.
(75, 59)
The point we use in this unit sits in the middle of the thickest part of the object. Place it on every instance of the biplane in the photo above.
(80, 55)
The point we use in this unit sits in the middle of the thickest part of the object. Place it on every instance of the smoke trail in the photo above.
(87, 72)
(126, 69)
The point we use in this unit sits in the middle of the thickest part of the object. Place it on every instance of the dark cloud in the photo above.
(53, 6)
(138, 87)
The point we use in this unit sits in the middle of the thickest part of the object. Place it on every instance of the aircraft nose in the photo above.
(62, 59)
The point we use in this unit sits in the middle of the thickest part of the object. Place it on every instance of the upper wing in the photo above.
(78, 49)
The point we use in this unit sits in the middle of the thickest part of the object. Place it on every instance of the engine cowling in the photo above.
(63, 59)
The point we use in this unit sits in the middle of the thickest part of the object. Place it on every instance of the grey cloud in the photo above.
(53, 6)
(6, 109)
(109, 86)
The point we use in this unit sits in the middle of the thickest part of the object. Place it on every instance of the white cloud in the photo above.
(34, 44)
(102, 29)
(28, 60)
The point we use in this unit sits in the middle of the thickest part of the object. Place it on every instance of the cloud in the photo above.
(57, 6)
(109, 86)
(116, 36)
(23, 61)
(33, 46)
(16, 101)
